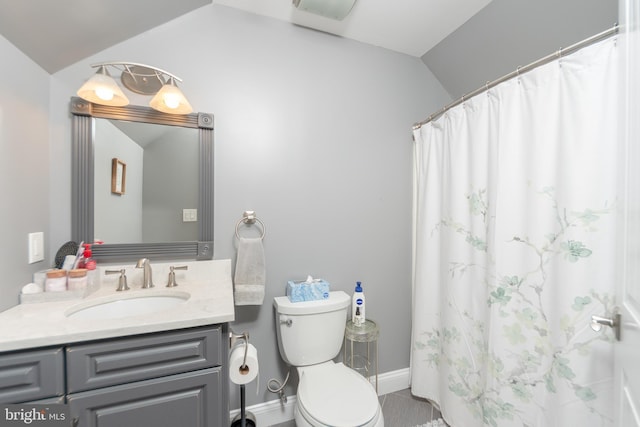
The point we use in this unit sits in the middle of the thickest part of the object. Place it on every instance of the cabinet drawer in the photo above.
(31, 375)
(112, 362)
(192, 399)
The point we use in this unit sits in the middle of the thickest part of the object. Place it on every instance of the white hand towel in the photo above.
(250, 274)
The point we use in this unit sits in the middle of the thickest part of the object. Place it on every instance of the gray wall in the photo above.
(507, 34)
(313, 132)
(24, 168)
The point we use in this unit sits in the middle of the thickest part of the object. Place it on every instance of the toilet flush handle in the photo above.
(286, 320)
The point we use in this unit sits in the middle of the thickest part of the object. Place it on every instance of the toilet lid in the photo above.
(337, 396)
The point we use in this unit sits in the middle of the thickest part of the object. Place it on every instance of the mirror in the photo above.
(135, 210)
(156, 179)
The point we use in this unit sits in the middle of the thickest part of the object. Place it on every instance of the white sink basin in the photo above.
(126, 307)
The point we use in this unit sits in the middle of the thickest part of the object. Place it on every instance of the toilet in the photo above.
(310, 335)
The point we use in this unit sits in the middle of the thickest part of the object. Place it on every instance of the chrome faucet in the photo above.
(147, 281)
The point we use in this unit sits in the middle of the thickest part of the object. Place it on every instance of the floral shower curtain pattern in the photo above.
(514, 225)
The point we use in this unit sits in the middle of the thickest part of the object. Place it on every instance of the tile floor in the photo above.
(400, 409)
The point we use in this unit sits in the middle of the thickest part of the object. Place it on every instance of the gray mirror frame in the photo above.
(83, 114)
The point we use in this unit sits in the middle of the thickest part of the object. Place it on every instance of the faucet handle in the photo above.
(122, 280)
(172, 275)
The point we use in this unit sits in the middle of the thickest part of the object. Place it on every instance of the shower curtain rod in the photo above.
(521, 70)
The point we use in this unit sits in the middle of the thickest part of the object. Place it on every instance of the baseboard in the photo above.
(275, 412)
(393, 381)
(270, 413)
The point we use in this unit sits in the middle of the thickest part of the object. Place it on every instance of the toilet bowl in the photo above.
(332, 394)
(310, 336)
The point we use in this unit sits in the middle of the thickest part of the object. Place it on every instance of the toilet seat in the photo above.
(335, 395)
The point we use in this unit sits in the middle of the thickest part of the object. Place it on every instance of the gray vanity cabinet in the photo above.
(172, 379)
(35, 376)
(164, 379)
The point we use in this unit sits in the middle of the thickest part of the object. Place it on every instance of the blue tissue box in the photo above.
(303, 291)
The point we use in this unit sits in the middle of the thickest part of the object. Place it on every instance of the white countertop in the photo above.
(210, 301)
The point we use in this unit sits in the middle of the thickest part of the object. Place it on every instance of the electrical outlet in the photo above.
(36, 247)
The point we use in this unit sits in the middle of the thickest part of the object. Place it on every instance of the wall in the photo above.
(507, 34)
(313, 132)
(24, 168)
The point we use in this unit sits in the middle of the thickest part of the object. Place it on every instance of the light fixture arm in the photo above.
(126, 66)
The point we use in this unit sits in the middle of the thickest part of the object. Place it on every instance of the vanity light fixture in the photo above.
(142, 79)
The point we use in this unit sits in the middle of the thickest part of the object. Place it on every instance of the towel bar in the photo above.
(249, 218)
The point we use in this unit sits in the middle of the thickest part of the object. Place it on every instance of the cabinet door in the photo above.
(31, 375)
(192, 399)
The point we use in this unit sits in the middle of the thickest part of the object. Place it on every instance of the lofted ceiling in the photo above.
(56, 34)
(407, 26)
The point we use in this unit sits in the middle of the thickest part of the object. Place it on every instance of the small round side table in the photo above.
(367, 334)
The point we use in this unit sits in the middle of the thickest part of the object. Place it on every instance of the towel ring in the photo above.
(249, 218)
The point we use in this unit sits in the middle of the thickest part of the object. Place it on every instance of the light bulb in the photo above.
(104, 93)
(171, 100)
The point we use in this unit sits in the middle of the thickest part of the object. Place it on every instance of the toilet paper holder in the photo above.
(244, 418)
(233, 340)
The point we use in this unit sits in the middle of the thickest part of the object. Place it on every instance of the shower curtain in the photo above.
(514, 226)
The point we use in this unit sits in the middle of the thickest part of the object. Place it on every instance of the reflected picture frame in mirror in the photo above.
(83, 114)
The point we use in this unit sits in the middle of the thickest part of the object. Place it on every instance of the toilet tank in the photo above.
(311, 332)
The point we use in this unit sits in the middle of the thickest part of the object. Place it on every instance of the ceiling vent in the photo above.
(334, 9)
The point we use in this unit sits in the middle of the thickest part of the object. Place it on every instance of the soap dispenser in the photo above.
(357, 307)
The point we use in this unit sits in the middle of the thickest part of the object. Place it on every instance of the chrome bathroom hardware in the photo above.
(250, 218)
(147, 279)
(234, 338)
(244, 418)
(172, 275)
(279, 388)
(614, 322)
(122, 280)
(286, 321)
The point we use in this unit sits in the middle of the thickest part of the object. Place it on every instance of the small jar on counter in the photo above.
(77, 279)
(56, 281)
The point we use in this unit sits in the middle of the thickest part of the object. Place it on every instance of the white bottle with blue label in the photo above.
(357, 308)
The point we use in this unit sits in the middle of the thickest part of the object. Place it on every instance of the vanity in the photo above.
(162, 365)
(154, 356)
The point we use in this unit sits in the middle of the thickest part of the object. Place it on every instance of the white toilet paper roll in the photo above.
(238, 373)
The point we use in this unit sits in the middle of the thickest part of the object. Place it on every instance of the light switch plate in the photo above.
(189, 215)
(36, 247)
